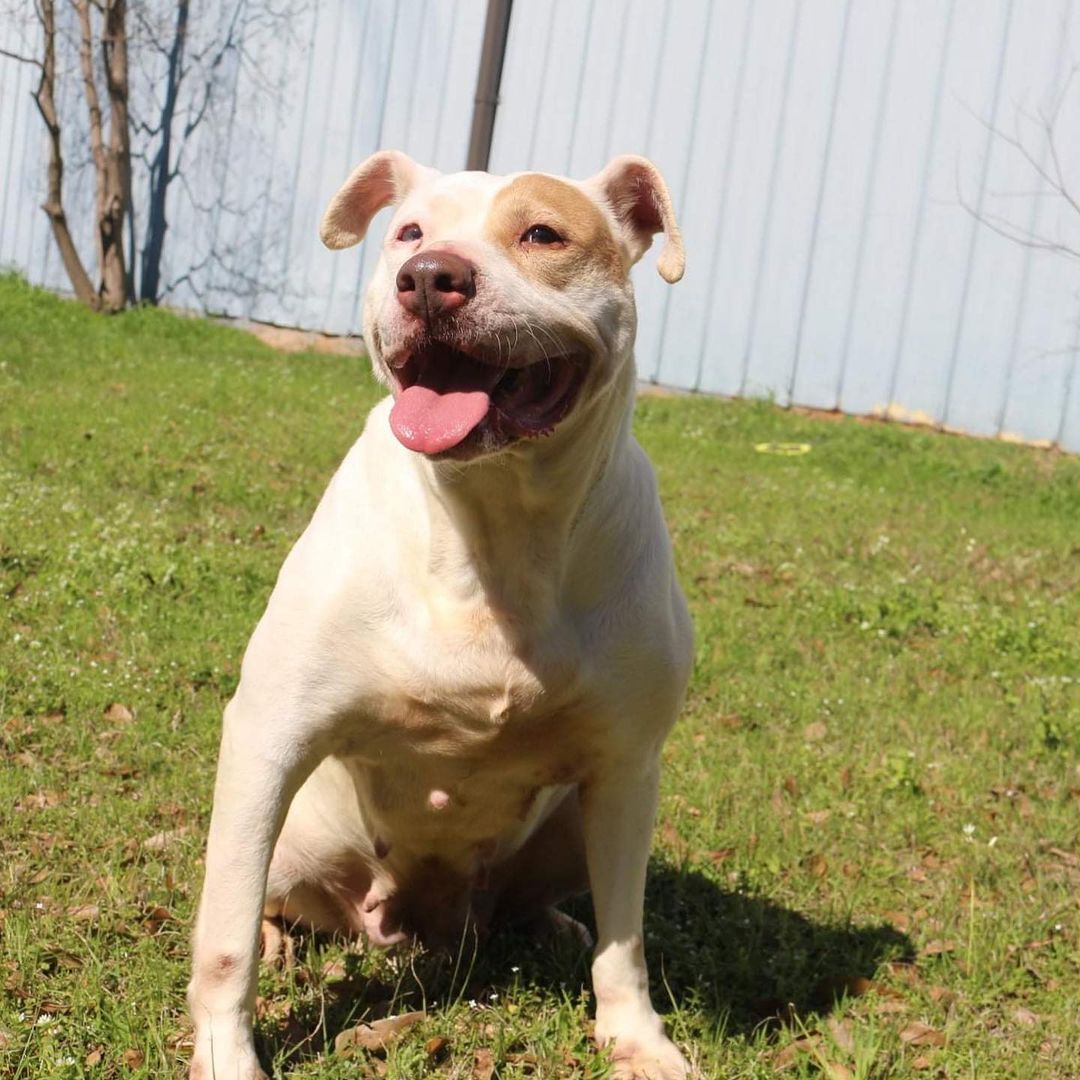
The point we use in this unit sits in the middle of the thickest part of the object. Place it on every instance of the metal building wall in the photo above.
(356, 75)
(829, 159)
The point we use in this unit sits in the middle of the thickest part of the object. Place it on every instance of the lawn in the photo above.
(868, 855)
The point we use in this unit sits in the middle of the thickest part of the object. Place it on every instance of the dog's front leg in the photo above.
(619, 811)
(260, 768)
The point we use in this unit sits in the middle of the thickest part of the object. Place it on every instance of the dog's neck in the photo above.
(506, 529)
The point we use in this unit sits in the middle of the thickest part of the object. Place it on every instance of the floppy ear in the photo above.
(636, 193)
(385, 178)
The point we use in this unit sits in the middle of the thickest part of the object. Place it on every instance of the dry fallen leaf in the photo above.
(937, 947)
(835, 1071)
(436, 1046)
(819, 817)
(378, 1034)
(921, 1062)
(840, 1030)
(1026, 1017)
(721, 855)
(815, 732)
(897, 919)
(785, 1057)
(133, 1059)
(84, 912)
(94, 1057)
(160, 841)
(156, 917)
(39, 800)
(918, 1034)
(483, 1064)
(119, 713)
(834, 987)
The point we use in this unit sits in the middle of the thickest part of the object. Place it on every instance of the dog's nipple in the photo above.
(438, 800)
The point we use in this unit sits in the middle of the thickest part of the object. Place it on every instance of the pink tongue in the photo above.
(430, 422)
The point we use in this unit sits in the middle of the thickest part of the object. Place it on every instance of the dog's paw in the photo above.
(225, 1052)
(553, 925)
(201, 1069)
(656, 1059)
(276, 948)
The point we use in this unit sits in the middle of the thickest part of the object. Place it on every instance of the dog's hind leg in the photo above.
(547, 869)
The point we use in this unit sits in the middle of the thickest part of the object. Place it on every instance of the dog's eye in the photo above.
(409, 233)
(540, 234)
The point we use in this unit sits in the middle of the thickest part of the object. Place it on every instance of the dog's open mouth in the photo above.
(449, 402)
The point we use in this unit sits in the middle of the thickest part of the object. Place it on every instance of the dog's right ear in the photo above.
(385, 178)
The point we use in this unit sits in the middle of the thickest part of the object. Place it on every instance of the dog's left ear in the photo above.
(384, 178)
(636, 193)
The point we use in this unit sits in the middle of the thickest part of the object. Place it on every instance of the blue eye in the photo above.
(540, 234)
(410, 233)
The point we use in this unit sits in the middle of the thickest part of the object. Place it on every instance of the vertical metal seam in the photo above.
(260, 245)
(924, 184)
(354, 127)
(1070, 375)
(725, 184)
(973, 235)
(580, 88)
(451, 37)
(16, 112)
(770, 199)
(291, 216)
(1025, 277)
(664, 24)
(320, 170)
(384, 90)
(610, 127)
(1070, 383)
(684, 185)
(553, 12)
(868, 200)
(823, 180)
(208, 289)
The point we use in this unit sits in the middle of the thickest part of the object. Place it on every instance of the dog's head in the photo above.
(500, 305)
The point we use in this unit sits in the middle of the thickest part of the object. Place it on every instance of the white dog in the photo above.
(454, 705)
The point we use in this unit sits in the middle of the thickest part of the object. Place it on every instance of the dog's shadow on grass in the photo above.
(736, 960)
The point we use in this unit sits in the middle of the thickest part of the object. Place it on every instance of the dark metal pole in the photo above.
(492, 54)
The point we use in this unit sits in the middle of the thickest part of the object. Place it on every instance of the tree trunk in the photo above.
(54, 199)
(111, 202)
(118, 156)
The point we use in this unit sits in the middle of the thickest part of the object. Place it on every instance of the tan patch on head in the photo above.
(589, 248)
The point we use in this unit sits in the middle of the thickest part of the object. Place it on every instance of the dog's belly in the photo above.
(404, 830)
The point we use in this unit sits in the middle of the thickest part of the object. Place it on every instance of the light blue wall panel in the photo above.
(830, 161)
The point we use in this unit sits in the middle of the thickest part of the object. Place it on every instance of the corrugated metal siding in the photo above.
(351, 76)
(825, 158)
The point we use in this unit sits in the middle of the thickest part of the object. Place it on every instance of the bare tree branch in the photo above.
(22, 59)
(45, 98)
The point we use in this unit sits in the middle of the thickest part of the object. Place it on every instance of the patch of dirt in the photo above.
(285, 339)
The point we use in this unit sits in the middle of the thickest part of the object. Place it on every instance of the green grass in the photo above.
(871, 808)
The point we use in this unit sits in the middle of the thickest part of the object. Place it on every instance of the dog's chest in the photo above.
(468, 680)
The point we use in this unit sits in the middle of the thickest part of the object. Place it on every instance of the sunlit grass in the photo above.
(871, 809)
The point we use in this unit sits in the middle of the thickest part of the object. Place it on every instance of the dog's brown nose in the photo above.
(435, 282)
